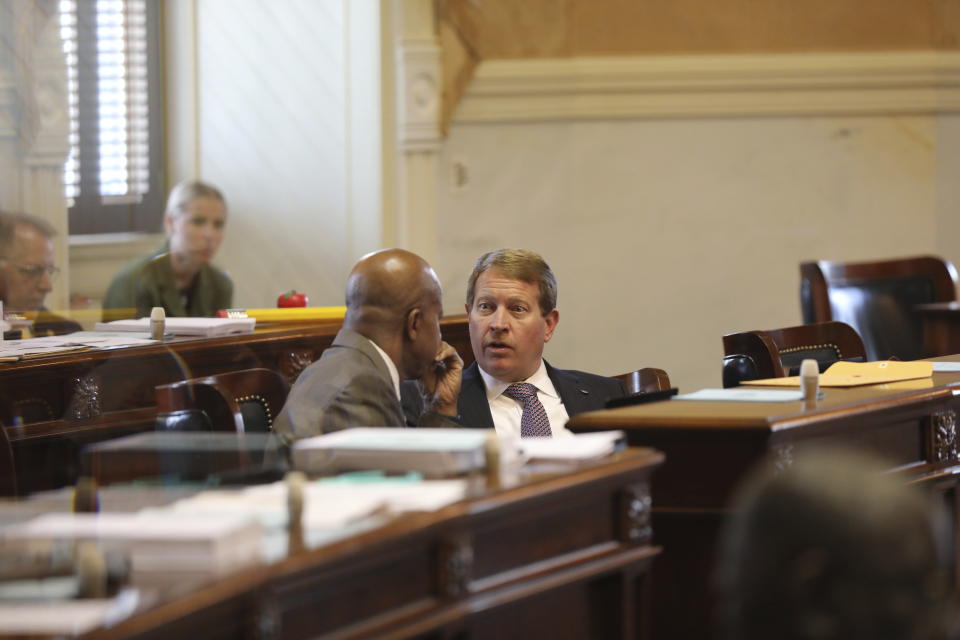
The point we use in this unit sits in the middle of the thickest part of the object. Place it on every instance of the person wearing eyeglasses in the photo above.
(27, 273)
(179, 275)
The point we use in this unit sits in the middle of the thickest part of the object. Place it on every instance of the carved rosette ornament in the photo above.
(456, 567)
(783, 457)
(85, 402)
(267, 619)
(944, 428)
(636, 513)
(293, 363)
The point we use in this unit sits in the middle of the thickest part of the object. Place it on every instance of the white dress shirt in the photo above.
(394, 374)
(507, 412)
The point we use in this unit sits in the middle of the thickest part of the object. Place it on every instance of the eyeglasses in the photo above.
(35, 272)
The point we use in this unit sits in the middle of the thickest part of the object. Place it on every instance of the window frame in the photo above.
(89, 214)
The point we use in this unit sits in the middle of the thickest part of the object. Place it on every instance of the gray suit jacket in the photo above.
(349, 386)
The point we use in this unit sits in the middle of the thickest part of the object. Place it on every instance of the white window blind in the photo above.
(117, 124)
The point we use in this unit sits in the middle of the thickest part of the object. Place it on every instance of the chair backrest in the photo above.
(878, 299)
(645, 380)
(755, 355)
(8, 469)
(241, 401)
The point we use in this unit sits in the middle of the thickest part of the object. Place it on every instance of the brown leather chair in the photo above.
(645, 380)
(878, 299)
(240, 401)
(756, 355)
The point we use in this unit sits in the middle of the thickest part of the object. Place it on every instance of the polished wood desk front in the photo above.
(711, 445)
(550, 556)
(49, 407)
(941, 327)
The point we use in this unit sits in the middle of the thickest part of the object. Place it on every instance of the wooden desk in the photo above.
(710, 446)
(941, 327)
(551, 556)
(50, 407)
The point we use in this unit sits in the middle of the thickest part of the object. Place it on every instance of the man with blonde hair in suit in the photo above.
(512, 312)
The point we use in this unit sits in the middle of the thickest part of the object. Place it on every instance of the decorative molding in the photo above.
(943, 427)
(293, 363)
(713, 86)
(782, 457)
(85, 402)
(267, 620)
(636, 524)
(418, 101)
(456, 566)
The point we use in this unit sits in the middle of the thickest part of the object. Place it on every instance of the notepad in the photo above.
(856, 374)
(185, 326)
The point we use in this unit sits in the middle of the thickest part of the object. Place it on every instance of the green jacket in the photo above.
(148, 282)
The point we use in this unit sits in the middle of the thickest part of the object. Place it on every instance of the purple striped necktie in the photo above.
(534, 421)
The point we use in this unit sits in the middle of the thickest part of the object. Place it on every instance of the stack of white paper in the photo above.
(582, 446)
(333, 508)
(155, 544)
(65, 617)
(185, 326)
(434, 452)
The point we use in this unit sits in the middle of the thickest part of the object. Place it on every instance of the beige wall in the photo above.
(668, 233)
(278, 104)
(675, 162)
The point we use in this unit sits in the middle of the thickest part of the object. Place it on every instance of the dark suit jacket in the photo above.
(579, 391)
(50, 324)
(349, 386)
(46, 324)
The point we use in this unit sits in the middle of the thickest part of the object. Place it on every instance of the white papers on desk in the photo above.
(946, 367)
(38, 347)
(109, 339)
(66, 617)
(741, 394)
(185, 326)
(582, 446)
(154, 544)
(79, 341)
(333, 508)
(434, 452)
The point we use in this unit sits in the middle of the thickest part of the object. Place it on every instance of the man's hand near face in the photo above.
(440, 385)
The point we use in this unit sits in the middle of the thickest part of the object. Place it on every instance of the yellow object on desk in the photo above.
(289, 314)
(856, 374)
